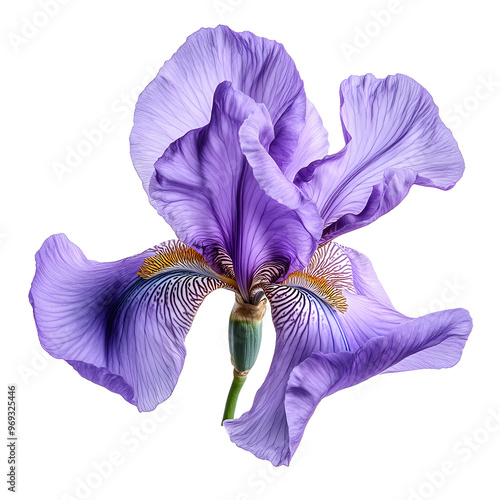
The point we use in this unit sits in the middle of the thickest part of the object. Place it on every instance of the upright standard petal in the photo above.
(394, 139)
(205, 187)
(313, 143)
(180, 97)
(121, 324)
(333, 333)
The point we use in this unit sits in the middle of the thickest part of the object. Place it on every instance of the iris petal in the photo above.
(364, 277)
(205, 188)
(117, 329)
(180, 97)
(313, 143)
(432, 341)
(394, 139)
(320, 350)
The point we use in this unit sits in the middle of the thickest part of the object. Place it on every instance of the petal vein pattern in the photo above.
(115, 328)
(304, 324)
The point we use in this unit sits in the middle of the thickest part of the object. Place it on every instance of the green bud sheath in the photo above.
(244, 343)
(245, 334)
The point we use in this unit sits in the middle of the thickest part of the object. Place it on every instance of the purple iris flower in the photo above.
(234, 157)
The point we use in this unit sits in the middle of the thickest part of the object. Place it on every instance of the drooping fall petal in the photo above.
(319, 320)
(120, 330)
(432, 341)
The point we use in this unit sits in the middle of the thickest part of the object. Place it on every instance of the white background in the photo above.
(384, 440)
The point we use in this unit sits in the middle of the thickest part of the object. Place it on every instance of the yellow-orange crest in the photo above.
(330, 294)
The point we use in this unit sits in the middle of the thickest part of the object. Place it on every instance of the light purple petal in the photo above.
(115, 328)
(306, 324)
(364, 277)
(313, 143)
(432, 341)
(206, 190)
(180, 97)
(388, 194)
(394, 139)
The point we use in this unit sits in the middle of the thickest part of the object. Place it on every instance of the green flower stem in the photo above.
(232, 397)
